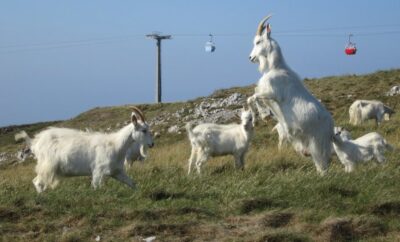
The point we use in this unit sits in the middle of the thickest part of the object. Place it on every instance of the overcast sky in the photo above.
(60, 58)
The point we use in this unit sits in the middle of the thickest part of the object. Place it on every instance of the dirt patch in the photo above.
(283, 236)
(164, 214)
(387, 208)
(163, 195)
(160, 228)
(257, 204)
(191, 210)
(350, 229)
(337, 229)
(343, 192)
(369, 226)
(7, 214)
(276, 219)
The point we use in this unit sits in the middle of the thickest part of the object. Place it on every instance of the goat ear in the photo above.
(134, 118)
(268, 30)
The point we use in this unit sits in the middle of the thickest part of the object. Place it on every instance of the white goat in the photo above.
(395, 90)
(70, 152)
(306, 121)
(351, 152)
(210, 139)
(362, 110)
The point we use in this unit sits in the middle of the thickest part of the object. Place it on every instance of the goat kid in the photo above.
(210, 140)
(351, 152)
(69, 152)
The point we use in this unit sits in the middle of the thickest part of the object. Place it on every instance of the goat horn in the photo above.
(138, 112)
(261, 26)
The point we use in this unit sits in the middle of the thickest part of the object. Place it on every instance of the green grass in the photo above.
(277, 197)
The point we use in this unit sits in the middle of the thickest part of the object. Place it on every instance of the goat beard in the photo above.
(263, 64)
(143, 151)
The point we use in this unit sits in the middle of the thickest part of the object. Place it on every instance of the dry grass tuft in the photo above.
(162, 195)
(351, 229)
(257, 204)
(277, 219)
(387, 208)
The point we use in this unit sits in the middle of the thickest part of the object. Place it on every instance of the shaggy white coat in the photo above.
(351, 152)
(210, 140)
(306, 121)
(69, 152)
(362, 110)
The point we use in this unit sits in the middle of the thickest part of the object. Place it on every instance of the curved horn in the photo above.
(138, 112)
(261, 26)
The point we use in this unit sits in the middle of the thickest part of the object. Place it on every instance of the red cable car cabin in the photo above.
(350, 49)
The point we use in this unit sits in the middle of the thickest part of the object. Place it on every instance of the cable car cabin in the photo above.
(210, 46)
(350, 49)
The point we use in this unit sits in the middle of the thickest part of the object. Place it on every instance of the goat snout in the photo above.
(252, 58)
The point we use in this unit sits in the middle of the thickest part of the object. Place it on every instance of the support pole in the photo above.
(158, 38)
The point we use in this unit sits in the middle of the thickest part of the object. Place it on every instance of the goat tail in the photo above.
(355, 114)
(23, 136)
(46, 173)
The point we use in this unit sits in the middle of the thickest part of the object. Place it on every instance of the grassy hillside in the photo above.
(278, 197)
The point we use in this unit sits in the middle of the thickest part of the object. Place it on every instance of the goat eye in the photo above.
(258, 42)
(144, 131)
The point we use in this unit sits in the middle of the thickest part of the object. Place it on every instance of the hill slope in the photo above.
(277, 197)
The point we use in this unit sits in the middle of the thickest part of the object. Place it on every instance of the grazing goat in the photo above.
(137, 152)
(362, 110)
(351, 152)
(306, 121)
(395, 90)
(70, 152)
(210, 139)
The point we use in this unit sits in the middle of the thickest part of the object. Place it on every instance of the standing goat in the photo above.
(306, 121)
(362, 110)
(351, 152)
(70, 152)
(210, 139)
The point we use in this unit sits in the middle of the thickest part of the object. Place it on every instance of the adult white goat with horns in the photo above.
(69, 152)
(306, 121)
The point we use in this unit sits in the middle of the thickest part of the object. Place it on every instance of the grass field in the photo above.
(277, 197)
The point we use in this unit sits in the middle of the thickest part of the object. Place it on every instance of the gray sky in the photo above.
(60, 58)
